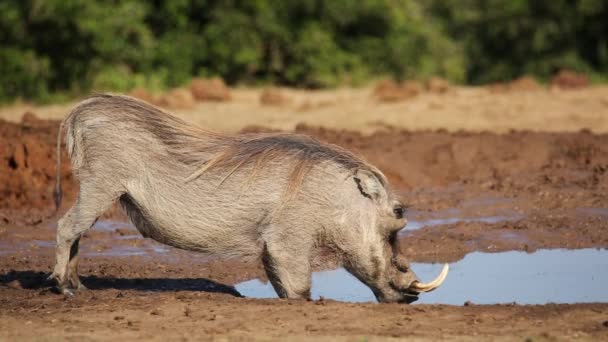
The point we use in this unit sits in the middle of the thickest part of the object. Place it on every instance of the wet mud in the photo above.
(471, 196)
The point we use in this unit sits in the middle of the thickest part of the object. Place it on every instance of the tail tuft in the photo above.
(57, 196)
(57, 192)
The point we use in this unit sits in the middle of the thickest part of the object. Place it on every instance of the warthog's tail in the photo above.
(57, 192)
(73, 143)
(66, 124)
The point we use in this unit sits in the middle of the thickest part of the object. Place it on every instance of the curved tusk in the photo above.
(428, 287)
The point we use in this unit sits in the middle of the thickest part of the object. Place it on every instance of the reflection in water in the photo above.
(547, 276)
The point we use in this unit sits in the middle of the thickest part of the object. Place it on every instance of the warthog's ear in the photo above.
(368, 184)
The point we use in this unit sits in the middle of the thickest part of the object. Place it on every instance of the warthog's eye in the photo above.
(399, 211)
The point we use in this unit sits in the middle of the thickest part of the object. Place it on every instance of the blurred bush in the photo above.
(70, 47)
(504, 39)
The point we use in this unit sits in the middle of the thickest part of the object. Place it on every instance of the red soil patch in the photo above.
(27, 164)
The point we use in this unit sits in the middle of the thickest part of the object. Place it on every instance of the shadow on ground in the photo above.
(38, 280)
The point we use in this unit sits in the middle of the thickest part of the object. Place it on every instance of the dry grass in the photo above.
(468, 108)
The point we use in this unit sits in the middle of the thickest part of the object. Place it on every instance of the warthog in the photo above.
(278, 197)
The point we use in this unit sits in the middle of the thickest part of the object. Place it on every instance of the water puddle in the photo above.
(414, 225)
(125, 251)
(467, 213)
(546, 276)
(6, 248)
(593, 211)
(112, 226)
(44, 244)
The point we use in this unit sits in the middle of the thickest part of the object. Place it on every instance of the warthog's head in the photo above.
(385, 270)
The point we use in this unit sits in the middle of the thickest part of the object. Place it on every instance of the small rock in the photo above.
(568, 79)
(15, 284)
(468, 303)
(123, 231)
(143, 95)
(29, 118)
(210, 90)
(525, 83)
(178, 98)
(390, 91)
(273, 97)
(437, 85)
(156, 312)
(411, 88)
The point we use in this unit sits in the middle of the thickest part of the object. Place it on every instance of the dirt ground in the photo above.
(458, 155)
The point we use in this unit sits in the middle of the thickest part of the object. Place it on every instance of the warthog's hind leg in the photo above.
(91, 203)
(74, 279)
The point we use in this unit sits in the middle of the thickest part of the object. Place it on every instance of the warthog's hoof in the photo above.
(67, 292)
(67, 289)
(78, 286)
(51, 278)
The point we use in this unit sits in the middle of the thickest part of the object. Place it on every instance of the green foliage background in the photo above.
(70, 47)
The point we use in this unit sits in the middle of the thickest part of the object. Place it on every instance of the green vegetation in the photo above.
(504, 39)
(70, 47)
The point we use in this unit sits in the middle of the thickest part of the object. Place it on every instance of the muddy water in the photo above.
(547, 276)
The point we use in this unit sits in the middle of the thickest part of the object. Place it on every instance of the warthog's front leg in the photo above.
(287, 265)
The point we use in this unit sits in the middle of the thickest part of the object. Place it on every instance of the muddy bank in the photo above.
(554, 170)
(186, 315)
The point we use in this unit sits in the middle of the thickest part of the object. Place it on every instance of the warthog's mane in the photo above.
(193, 145)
